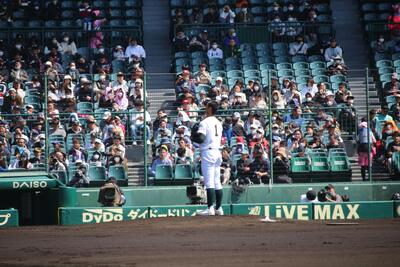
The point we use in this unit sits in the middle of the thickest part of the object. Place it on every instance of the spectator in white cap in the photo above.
(91, 126)
(330, 100)
(220, 86)
(50, 71)
(119, 53)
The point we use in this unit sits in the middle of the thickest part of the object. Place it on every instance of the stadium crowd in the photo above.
(94, 93)
(307, 116)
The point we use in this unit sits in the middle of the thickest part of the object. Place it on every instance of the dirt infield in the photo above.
(200, 241)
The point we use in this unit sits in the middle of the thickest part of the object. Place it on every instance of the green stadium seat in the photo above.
(262, 46)
(396, 162)
(269, 73)
(298, 58)
(282, 66)
(383, 63)
(267, 66)
(216, 61)
(303, 79)
(337, 78)
(301, 65)
(396, 63)
(319, 168)
(252, 73)
(321, 79)
(340, 168)
(119, 173)
(317, 65)
(395, 56)
(232, 60)
(183, 174)
(385, 70)
(164, 175)
(315, 58)
(317, 72)
(302, 72)
(97, 175)
(285, 72)
(300, 169)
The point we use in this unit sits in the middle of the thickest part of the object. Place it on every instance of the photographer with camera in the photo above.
(80, 178)
(111, 195)
(57, 162)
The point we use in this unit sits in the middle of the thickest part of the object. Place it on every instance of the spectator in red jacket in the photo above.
(394, 21)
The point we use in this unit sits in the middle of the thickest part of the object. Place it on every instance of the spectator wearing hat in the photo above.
(237, 125)
(203, 38)
(392, 147)
(299, 47)
(330, 102)
(163, 158)
(50, 71)
(119, 53)
(333, 51)
(120, 83)
(138, 123)
(259, 168)
(202, 76)
(338, 67)
(85, 91)
(276, 11)
(215, 51)
(76, 128)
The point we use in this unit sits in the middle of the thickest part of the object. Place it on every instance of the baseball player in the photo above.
(208, 136)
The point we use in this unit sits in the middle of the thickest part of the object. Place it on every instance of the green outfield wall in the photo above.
(9, 218)
(176, 195)
(296, 211)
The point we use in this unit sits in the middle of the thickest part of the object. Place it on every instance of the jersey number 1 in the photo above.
(216, 130)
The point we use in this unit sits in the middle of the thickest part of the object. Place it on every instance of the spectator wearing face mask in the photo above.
(68, 46)
(244, 16)
(119, 53)
(72, 71)
(299, 47)
(276, 11)
(18, 73)
(333, 51)
(215, 51)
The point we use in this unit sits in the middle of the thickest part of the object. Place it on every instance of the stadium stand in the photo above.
(71, 80)
(220, 61)
(381, 24)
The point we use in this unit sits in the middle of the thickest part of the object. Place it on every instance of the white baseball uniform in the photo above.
(210, 154)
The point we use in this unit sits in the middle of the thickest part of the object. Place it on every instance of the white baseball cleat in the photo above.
(219, 211)
(207, 212)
